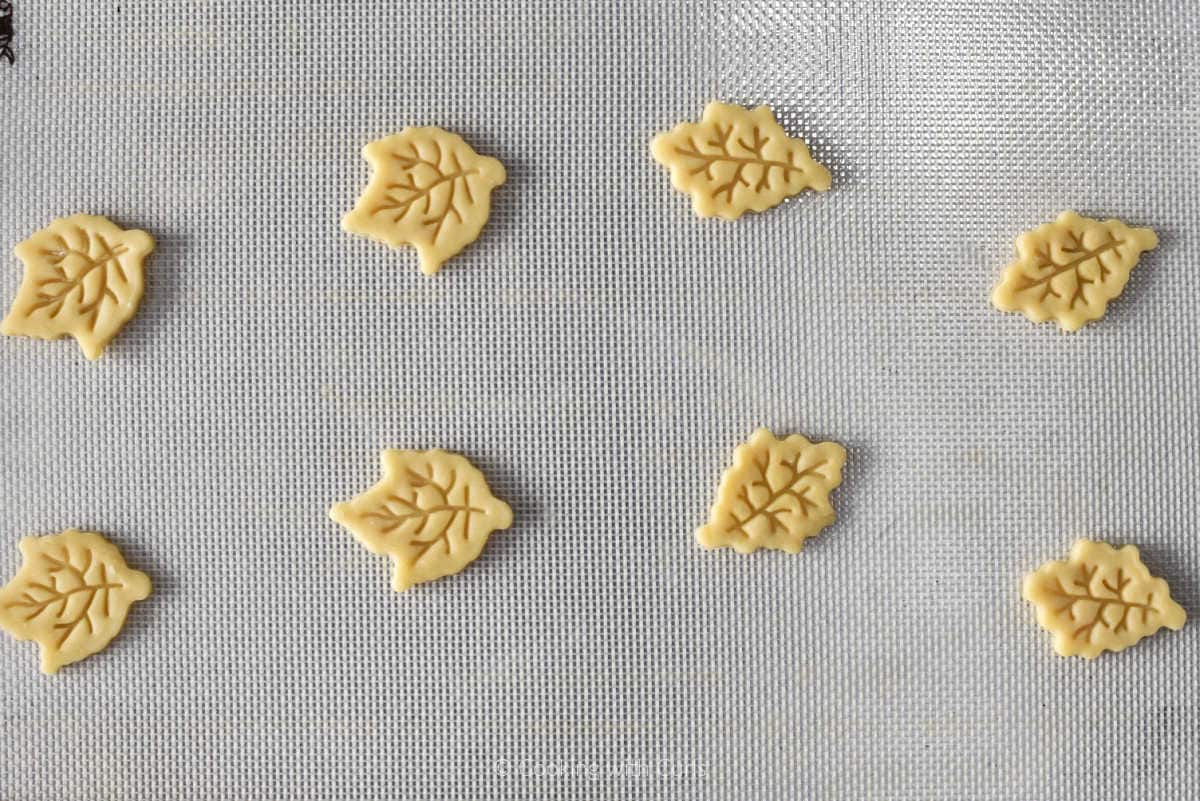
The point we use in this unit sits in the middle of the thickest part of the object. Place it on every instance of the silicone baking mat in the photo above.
(599, 352)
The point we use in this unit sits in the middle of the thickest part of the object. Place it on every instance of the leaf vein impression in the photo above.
(403, 204)
(56, 302)
(1084, 580)
(61, 597)
(442, 503)
(789, 488)
(1074, 264)
(713, 158)
(723, 155)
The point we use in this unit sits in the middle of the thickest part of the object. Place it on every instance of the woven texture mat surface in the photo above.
(599, 353)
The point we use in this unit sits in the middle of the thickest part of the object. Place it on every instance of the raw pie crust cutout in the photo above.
(83, 278)
(1100, 599)
(71, 595)
(432, 513)
(1068, 270)
(428, 189)
(776, 494)
(736, 160)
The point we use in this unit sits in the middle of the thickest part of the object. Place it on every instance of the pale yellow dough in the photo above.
(83, 278)
(1100, 599)
(71, 595)
(737, 160)
(1069, 270)
(776, 495)
(432, 514)
(428, 189)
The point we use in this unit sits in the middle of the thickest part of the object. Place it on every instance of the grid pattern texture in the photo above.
(598, 353)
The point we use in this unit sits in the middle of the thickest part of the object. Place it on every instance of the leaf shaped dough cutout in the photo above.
(428, 189)
(1100, 599)
(737, 160)
(83, 278)
(776, 495)
(71, 595)
(432, 514)
(1069, 270)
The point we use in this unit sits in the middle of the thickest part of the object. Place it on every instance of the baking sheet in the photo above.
(599, 353)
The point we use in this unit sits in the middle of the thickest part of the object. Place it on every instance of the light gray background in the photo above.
(599, 353)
